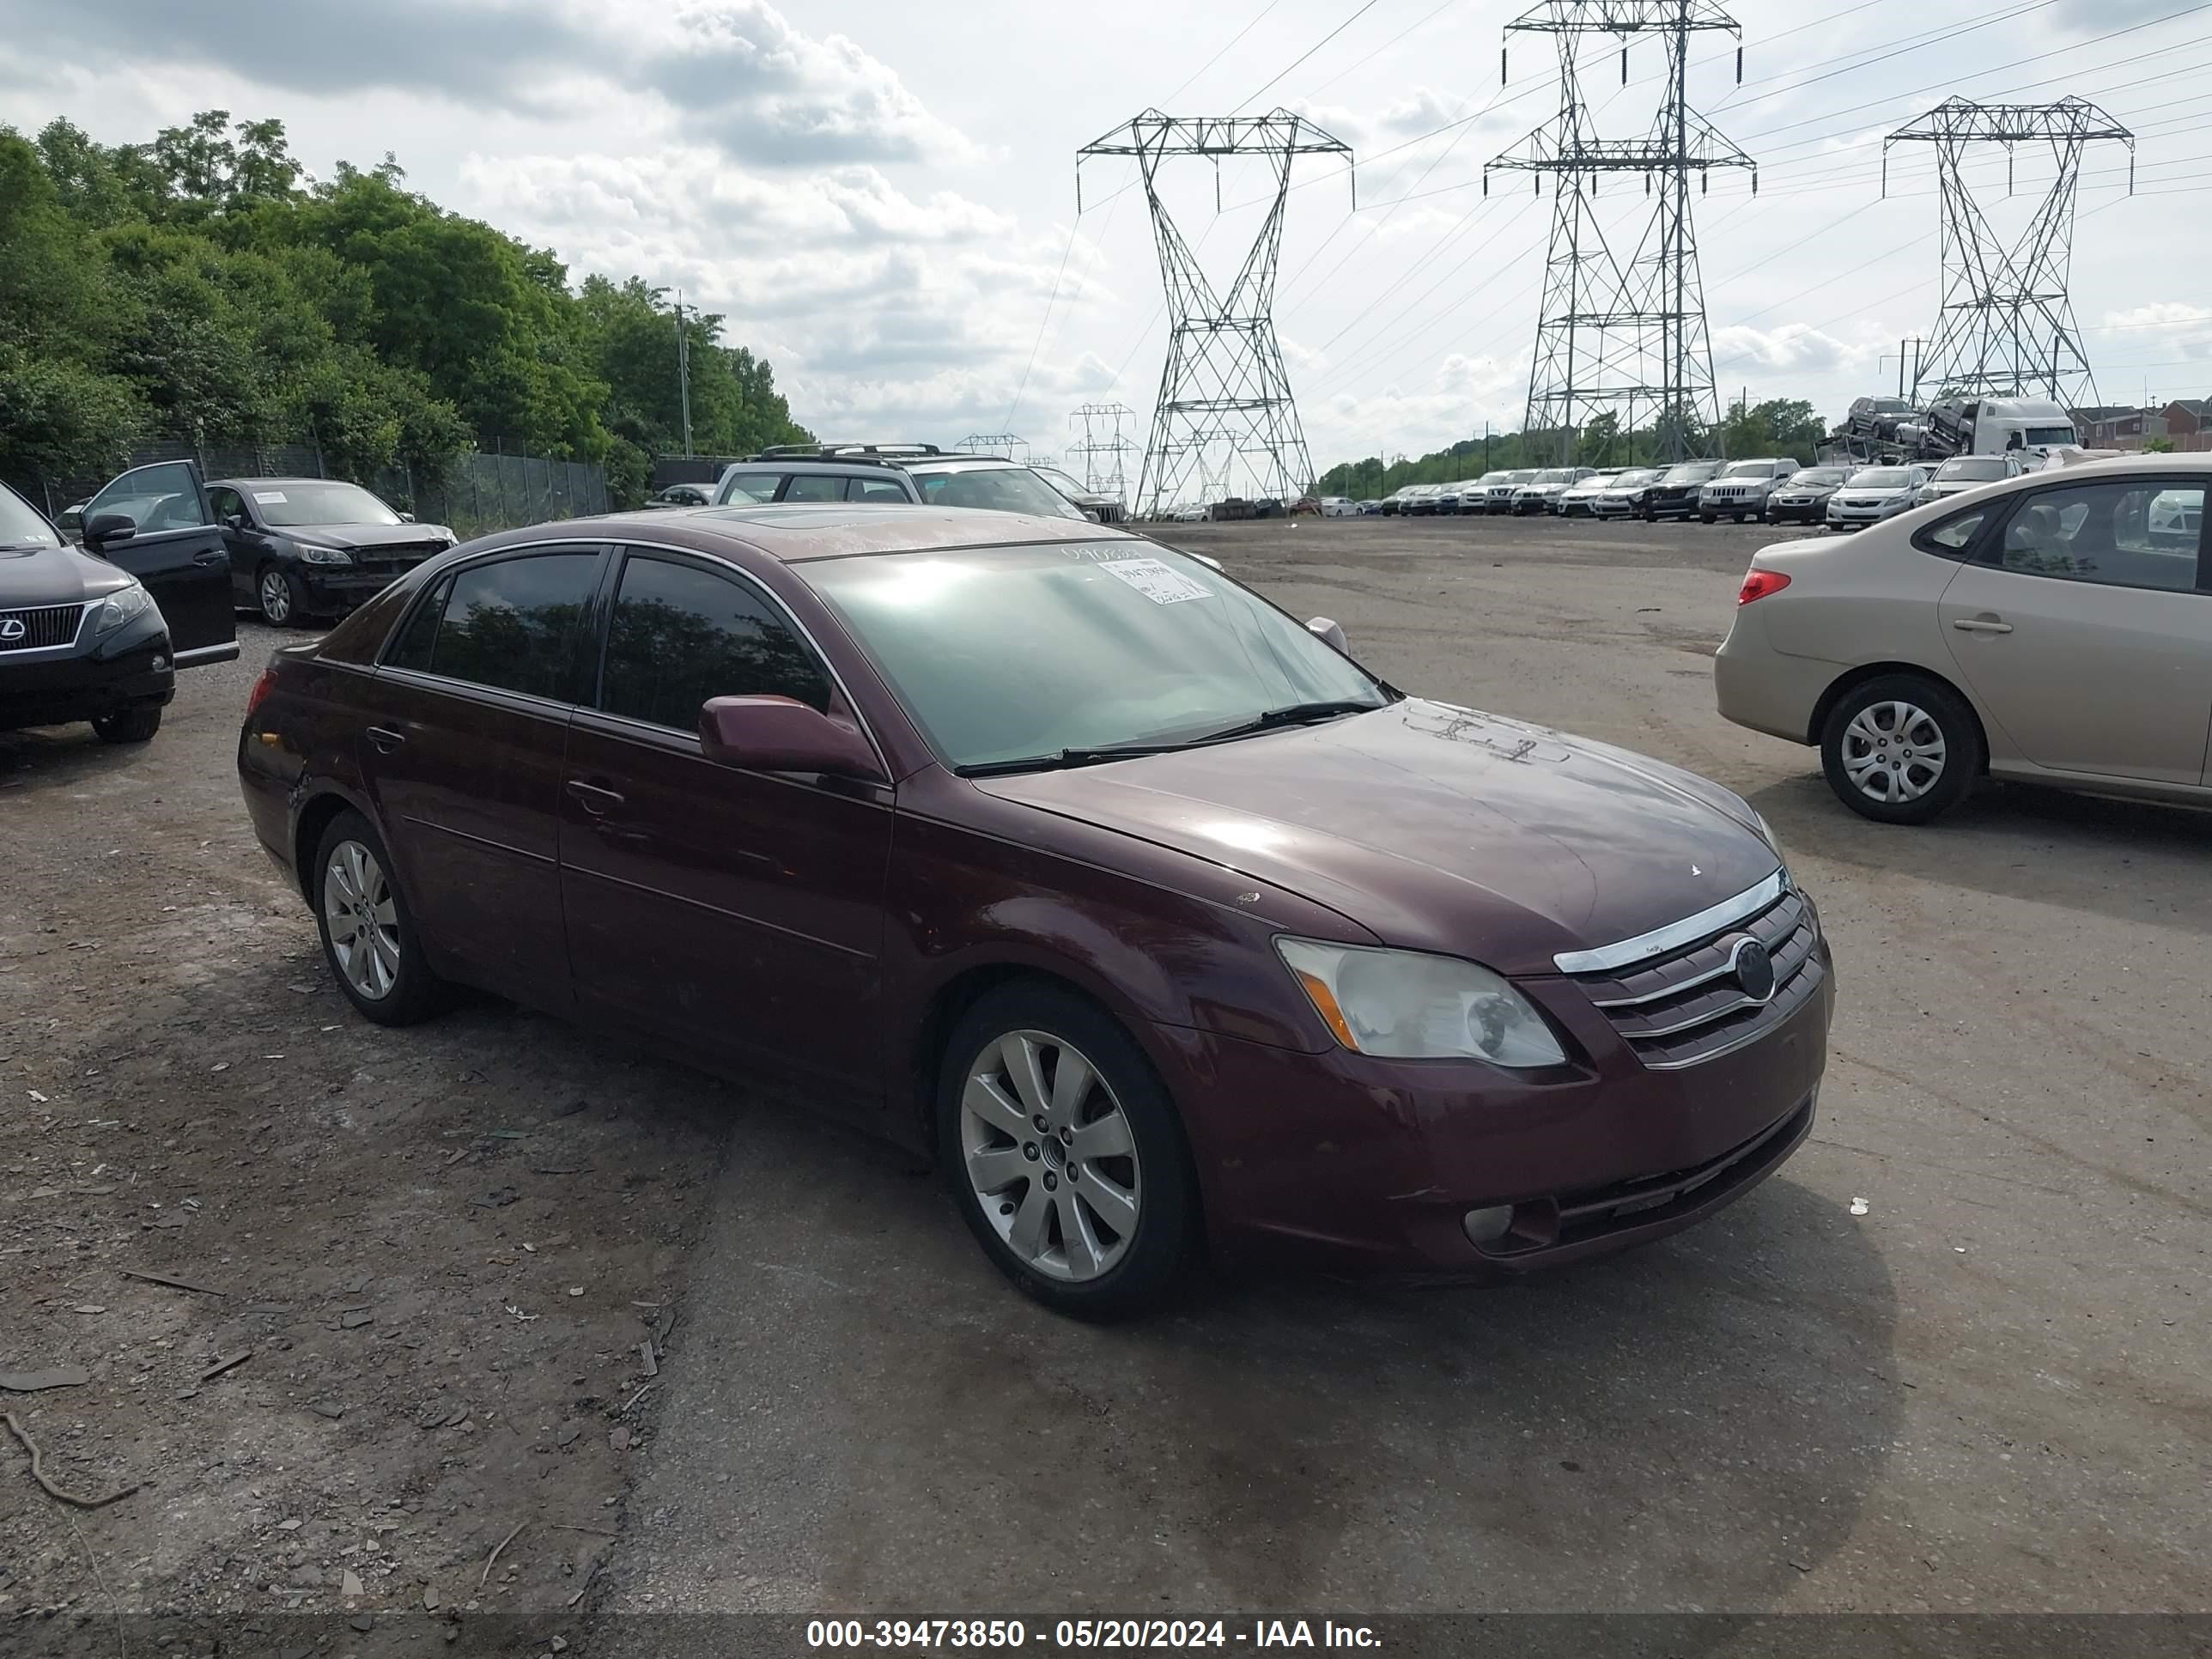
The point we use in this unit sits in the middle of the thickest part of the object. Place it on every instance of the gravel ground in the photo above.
(443, 1247)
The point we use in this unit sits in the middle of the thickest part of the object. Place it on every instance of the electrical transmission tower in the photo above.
(1621, 331)
(1224, 381)
(994, 443)
(2006, 324)
(1104, 462)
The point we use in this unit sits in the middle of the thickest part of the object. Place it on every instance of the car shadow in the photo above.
(1696, 1424)
(2134, 862)
(62, 755)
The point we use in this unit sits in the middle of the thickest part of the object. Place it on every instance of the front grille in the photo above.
(389, 560)
(1688, 1007)
(43, 627)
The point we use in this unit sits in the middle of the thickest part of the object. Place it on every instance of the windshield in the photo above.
(1693, 473)
(1641, 475)
(317, 501)
(1493, 477)
(1521, 477)
(2050, 437)
(1005, 652)
(19, 526)
(1973, 469)
(996, 489)
(1881, 478)
(1065, 485)
(1556, 475)
(1819, 475)
(1750, 469)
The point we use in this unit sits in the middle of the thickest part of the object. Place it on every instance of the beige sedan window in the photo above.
(2116, 534)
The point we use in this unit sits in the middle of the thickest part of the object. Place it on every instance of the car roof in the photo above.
(243, 484)
(858, 467)
(833, 530)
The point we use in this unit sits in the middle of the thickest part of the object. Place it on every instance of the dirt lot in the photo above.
(441, 1249)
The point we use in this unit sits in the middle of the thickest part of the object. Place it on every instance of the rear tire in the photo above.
(1705, 518)
(136, 725)
(369, 938)
(1901, 749)
(1097, 1234)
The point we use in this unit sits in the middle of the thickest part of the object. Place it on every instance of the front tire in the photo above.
(1901, 749)
(368, 934)
(1065, 1153)
(130, 724)
(1705, 518)
(280, 597)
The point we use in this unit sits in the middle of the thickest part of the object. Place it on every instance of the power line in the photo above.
(1368, 6)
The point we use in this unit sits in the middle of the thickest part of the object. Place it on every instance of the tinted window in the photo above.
(681, 635)
(513, 624)
(2126, 535)
(153, 498)
(749, 487)
(224, 503)
(412, 648)
(876, 489)
(815, 488)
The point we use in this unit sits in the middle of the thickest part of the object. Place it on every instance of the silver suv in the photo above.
(1740, 491)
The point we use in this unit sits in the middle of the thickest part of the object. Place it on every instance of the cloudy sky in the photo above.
(882, 197)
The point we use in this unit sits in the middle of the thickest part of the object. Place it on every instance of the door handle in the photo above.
(214, 556)
(1980, 625)
(592, 797)
(384, 739)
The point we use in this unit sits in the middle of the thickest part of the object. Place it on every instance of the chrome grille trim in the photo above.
(1627, 952)
(45, 627)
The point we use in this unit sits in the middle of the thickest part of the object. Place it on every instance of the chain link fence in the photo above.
(474, 494)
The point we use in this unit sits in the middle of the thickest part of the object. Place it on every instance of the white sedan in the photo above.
(1874, 494)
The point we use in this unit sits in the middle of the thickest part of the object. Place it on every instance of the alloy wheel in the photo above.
(363, 919)
(275, 595)
(1049, 1156)
(1894, 751)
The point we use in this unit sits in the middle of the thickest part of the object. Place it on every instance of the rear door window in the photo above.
(2120, 535)
(812, 487)
(515, 624)
(757, 487)
(876, 489)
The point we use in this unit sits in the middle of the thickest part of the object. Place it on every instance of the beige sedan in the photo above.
(2055, 629)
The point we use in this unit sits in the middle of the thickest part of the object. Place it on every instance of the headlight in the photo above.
(325, 555)
(119, 607)
(1400, 1005)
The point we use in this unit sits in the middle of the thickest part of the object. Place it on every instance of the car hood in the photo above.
(1437, 828)
(366, 535)
(1869, 493)
(54, 575)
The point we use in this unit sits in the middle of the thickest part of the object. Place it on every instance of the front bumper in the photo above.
(119, 674)
(336, 588)
(1615, 507)
(1672, 504)
(1342, 1161)
(1841, 514)
(1809, 510)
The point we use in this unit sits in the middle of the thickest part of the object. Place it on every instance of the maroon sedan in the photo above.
(1160, 922)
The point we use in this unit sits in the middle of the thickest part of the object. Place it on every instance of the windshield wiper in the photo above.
(1295, 714)
(1062, 759)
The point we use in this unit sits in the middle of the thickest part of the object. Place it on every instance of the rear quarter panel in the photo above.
(296, 756)
(1868, 599)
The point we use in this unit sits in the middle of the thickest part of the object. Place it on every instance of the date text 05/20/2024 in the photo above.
(1108, 1633)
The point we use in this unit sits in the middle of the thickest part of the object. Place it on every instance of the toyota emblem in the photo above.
(1753, 969)
(12, 629)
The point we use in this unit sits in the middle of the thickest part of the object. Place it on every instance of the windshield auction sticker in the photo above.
(1160, 583)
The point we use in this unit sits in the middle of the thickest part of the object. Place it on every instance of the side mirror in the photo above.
(234, 521)
(104, 528)
(781, 735)
(407, 518)
(1330, 634)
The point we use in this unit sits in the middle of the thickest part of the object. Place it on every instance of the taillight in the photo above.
(262, 688)
(1758, 584)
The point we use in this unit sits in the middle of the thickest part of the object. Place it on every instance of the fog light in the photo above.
(1487, 1226)
(160, 663)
